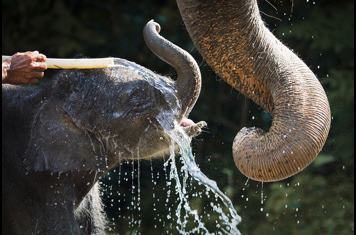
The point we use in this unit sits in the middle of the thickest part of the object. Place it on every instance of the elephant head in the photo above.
(232, 38)
(59, 138)
(117, 112)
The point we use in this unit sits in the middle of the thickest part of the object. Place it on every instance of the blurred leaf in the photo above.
(323, 159)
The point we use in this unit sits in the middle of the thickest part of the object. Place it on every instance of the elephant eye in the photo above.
(142, 106)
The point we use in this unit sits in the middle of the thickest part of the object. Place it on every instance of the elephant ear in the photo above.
(58, 143)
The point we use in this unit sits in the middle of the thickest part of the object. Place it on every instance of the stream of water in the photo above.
(188, 220)
(189, 168)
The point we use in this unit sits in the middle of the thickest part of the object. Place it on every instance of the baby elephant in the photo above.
(59, 138)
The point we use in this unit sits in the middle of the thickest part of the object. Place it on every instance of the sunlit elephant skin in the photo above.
(59, 138)
(234, 41)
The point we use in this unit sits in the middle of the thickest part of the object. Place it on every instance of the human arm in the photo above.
(23, 68)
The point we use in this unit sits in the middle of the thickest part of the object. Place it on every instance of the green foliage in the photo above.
(323, 159)
(319, 200)
(297, 203)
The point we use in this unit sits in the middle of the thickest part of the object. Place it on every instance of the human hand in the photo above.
(23, 68)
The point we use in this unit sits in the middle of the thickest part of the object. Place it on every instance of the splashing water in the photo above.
(178, 136)
(183, 214)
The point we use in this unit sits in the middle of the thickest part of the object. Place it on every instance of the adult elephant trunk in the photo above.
(234, 41)
(188, 83)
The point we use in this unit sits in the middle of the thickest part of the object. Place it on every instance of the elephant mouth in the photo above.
(191, 128)
(187, 122)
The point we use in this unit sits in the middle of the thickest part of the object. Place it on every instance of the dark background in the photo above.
(319, 200)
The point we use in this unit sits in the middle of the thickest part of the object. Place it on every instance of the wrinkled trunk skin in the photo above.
(234, 41)
(188, 83)
(59, 138)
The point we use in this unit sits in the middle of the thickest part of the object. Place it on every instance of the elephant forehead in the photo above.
(136, 90)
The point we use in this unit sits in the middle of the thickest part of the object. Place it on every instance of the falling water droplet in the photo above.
(262, 193)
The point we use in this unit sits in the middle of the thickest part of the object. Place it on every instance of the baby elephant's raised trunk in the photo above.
(188, 82)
